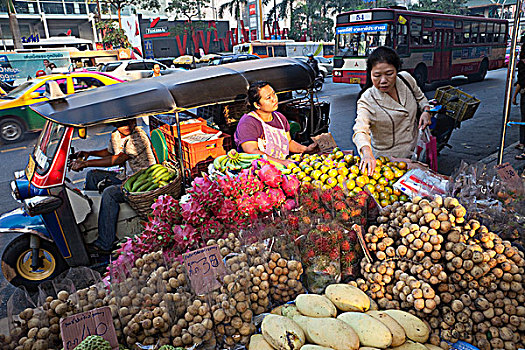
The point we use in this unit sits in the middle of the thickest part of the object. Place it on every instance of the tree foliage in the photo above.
(139, 4)
(113, 35)
(454, 7)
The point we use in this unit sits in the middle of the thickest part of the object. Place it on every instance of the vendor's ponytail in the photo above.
(254, 94)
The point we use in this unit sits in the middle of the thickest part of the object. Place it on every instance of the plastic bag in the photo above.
(426, 149)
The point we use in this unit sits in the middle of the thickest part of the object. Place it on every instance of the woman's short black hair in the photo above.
(382, 54)
(254, 93)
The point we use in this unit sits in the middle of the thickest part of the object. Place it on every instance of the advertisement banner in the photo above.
(130, 25)
(21, 66)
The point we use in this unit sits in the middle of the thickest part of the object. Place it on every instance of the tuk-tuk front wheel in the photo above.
(11, 130)
(17, 258)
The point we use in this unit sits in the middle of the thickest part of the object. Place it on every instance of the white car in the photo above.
(133, 69)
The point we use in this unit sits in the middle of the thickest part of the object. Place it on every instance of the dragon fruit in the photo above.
(289, 204)
(277, 196)
(263, 201)
(247, 205)
(290, 185)
(270, 175)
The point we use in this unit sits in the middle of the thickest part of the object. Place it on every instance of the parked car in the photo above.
(325, 64)
(167, 61)
(16, 118)
(507, 54)
(133, 69)
(232, 58)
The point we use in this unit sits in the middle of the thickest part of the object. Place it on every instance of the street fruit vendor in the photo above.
(387, 119)
(264, 130)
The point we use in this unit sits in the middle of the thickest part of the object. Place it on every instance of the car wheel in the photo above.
(11, 130)
(16, 263)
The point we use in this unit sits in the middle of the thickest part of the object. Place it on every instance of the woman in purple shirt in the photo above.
(264, 130)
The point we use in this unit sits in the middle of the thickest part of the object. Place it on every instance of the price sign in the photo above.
(78, 327)
(326, 142)
(205, 268)
(510, 177)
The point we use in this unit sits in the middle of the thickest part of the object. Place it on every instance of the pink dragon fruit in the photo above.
(251, 184)
(290, 185)
(277, 196)
(270, 175)
(289, 204)
(247, 206)
(263, 201)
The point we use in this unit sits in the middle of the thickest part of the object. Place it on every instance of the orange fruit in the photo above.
(333, 173)
(350, 185)
(402, 165)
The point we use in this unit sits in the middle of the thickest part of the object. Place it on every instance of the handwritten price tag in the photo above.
(78, 327)
(204, 267)
(510, 177)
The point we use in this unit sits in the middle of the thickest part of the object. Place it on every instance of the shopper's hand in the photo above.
(78, 165)
(425, 120)
(514, 102)
(311, 149)
(368, 161)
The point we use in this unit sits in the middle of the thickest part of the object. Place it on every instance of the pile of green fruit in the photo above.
(329, 170)
(156, 176)
(234, 161)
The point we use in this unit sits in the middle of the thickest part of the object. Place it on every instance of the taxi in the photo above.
(15, 116)
(2, 92)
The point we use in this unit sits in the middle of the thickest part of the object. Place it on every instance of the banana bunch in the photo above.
(150, 179)
(234, 161)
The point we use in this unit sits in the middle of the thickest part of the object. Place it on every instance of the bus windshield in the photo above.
(360, 41)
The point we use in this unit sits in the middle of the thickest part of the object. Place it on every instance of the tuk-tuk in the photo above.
(50, 231)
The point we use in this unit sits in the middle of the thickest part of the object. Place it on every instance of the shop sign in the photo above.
(78, 327)
(156, 30)
(205, 269)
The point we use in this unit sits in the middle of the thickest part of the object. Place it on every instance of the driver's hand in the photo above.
(83, 155)
(78, 165)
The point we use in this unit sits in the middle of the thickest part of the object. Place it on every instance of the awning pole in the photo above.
(510, 75)
(181, 155)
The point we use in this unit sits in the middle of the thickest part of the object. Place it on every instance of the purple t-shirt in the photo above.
(250, 128)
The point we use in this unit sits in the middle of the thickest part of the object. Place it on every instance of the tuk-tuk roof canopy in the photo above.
(177, 91)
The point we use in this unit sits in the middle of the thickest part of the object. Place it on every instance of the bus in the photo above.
(285, 48)
(432, 46)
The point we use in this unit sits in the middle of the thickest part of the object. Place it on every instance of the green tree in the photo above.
(188, 9)
(455, 7)
(13, 23)
(142, 4)
(234, 7)
(112, 34)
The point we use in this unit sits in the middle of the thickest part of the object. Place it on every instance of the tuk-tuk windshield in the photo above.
(47, 146)
(19, 90)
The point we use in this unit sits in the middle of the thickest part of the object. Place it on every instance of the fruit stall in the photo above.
(313, 256)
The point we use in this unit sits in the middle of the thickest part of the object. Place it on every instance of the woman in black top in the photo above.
(520, 87)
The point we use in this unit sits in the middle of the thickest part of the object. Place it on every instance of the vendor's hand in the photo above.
(425, 120)
(368, 161)
(78, 165)
(311, 149)
(514, 102)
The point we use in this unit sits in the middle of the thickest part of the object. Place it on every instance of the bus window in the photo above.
(362, 43)
(466, 32)
(328, 50)
(427, 38)
(490, 32)
(482, 33)
(415, 31)
(279, 51)
(474, 30)
(429, 23)
(458, 24)
(502, 33)
(260, 50)
(402, 39)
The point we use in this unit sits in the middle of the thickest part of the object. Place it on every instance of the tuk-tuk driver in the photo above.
(264, 130)
(129, 145)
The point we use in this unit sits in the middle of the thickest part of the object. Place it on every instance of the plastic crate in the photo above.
(198, 152)
(464, 108)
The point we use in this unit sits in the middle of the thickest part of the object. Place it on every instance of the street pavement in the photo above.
(476, 140)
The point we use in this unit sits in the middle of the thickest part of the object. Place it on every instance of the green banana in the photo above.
(143, 187)
(217, 161)
(159, 171)
(153, 167)
(162, 183)
(152, 187)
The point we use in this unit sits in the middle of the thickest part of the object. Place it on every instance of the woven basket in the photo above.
(141, 202)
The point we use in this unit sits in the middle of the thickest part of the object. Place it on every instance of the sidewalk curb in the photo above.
(508, 156)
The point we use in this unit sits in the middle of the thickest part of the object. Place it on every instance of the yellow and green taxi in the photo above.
(15, 116)
(2, 92)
